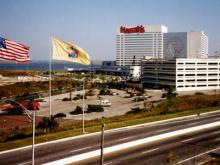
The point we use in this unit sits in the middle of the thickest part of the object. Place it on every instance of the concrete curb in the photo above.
(119, 147)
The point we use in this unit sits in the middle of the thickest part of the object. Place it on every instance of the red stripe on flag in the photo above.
(15, 52)
(16, 44)
(15, 47)
(15, 59)
(11, 53)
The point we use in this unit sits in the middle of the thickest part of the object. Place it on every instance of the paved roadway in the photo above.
(187, 150)
(58, 150)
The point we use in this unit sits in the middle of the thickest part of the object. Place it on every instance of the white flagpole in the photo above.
(83, 117)
(50, 78)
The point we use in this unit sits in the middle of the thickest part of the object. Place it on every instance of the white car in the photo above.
(103, 102)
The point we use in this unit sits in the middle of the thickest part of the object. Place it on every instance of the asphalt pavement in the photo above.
(73, 146)
(190, 149)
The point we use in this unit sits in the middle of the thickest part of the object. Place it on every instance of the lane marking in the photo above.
(80, 149)
(206, 161)
(216, 132)
(188, 140)
(195, 138)
(163, 130)
(185, 160)
(126, 138)
(145, 152)
(24, 163)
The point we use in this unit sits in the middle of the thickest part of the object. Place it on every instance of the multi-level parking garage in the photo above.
(182, 74)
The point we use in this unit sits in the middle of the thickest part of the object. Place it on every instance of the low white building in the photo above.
(182, 74)
(135, 73)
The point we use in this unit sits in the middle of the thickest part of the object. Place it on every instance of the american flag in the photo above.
(12, 51)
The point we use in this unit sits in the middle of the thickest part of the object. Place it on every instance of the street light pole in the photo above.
(102, 143)
(33, 142)
(83, 129)
(33, 124)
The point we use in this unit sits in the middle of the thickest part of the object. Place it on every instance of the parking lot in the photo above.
(120, 104)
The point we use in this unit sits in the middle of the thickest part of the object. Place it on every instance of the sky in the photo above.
(92, 24)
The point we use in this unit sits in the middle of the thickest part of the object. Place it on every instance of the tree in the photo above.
(48, 124)
(170, 94)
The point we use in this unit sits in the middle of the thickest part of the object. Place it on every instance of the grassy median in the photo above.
(70, 130)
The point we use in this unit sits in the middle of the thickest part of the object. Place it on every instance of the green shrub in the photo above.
(78, 96)
(169, 93)
(77, 111)
(163, 95)
(135, 110)
(94, 108)
(60, 115)
(105, 92)
(26, 96)
(16, 136)
(91, 92)
(66, 99)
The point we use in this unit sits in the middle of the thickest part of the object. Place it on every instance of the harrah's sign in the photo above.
(137, 29)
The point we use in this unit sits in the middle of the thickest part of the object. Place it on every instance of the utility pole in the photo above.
(102, 142)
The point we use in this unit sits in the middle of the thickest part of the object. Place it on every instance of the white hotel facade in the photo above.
(133, 43)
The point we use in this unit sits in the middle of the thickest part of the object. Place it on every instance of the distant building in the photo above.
(182, 74)
(177, 59)
(108, 63)
(133, 43)
(185, 45)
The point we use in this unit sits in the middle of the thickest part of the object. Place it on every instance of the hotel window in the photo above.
(190, 74)
(189, 68)
(201, 68)
(201, 85)
(213, 68)
(201, 80)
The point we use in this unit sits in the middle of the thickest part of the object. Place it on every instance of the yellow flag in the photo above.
(66, 51)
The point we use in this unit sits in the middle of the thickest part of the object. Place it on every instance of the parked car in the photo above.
(139, 98)
(103, 102)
